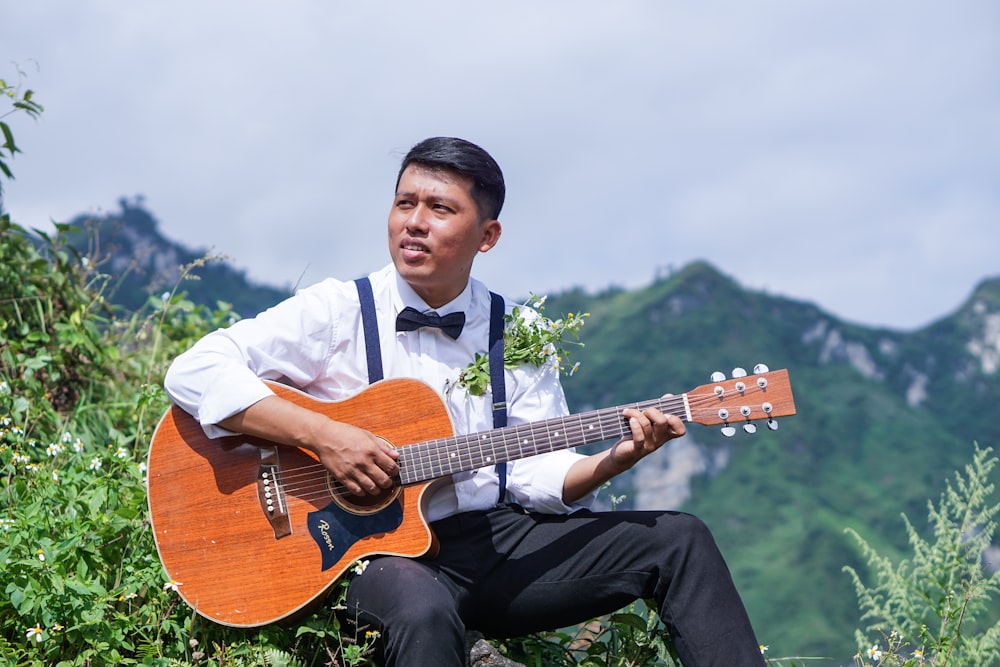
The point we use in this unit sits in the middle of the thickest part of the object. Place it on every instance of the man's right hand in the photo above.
(362, 462)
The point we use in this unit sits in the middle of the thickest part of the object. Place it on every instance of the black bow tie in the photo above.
(411, 319)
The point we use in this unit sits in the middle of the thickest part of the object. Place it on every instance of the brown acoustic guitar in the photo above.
(252, 532)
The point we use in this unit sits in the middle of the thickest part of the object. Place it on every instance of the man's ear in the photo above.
(491, 234)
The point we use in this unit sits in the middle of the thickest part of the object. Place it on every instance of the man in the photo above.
(537, 560)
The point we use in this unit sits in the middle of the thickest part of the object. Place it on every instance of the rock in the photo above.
(483, 654)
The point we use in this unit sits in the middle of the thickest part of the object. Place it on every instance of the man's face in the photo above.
(435, 232)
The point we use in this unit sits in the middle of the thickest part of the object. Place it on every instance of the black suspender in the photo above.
(370, 322)
(497, 383)
(373, 352)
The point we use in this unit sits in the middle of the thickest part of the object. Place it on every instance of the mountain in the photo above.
(128, 246)
(883, 418)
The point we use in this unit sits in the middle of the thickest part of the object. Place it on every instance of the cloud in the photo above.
(839, 153)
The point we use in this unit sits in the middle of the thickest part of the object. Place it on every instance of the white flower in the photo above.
(35, 632)
(122, 453)
(360, 567)
(78, 445)
(66, 437)
(172, 585)
(874, 653)
(95, 463)
(41, 555)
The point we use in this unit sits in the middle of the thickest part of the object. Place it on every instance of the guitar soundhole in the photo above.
(366, 504)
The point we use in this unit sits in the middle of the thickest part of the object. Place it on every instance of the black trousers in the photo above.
(507, 572)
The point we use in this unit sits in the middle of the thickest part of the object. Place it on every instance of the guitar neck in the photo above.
(432, 459)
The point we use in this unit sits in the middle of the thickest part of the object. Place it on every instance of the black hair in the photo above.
(466, 159)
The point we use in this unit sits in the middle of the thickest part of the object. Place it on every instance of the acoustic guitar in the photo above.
(251, 532)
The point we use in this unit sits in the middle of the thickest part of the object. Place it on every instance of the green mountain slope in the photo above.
(883, 417)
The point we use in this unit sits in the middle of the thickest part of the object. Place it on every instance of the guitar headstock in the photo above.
(742, 400)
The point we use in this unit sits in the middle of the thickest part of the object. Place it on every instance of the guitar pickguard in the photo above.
(335, 530)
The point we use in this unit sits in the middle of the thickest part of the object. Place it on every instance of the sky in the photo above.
(845, 154)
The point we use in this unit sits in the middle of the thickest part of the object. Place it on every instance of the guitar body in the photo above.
(240, 563)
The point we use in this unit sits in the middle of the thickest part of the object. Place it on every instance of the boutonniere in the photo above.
(529, 338)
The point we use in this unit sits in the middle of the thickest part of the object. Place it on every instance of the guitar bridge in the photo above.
(271, 493)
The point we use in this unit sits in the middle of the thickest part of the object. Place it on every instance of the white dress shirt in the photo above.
(315, 341)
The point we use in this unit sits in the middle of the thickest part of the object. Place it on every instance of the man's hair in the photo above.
(466, 159)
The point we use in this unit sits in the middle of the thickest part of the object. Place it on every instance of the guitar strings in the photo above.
(312, 481)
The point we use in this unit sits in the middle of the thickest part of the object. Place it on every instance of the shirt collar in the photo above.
(403, 296)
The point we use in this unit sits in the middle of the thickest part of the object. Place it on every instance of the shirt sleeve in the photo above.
(536, 482)
(223, 373)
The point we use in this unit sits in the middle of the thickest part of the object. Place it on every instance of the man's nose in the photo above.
(417, 219)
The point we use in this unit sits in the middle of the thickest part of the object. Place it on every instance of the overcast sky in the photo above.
(842, 153)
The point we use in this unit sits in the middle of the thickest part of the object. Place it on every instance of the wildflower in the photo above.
(41, 555)
(4, 387)
(78, 446)
(165, 296)
(66, 437)
(35, 632)
(763, 649)
(874, 653)
(372, 635)
(918, 654)
(54, 449)
(95, 463)
(122, 453)
(57, 627)
(360, 567)
(55, 475)
(172, 585)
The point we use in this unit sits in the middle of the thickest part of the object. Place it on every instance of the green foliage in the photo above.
(633, 637)
(529, 338)
(20, 101)
(927, 609)
(80, 392)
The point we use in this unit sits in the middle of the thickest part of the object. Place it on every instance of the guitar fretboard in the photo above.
(431, 459)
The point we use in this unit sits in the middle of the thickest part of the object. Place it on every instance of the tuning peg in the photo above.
(750, 428)
(739, 372)
(718, 376)
(772, 424)
(728, 431)
(760, 368)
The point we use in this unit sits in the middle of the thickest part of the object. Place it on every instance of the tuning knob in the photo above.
(718, 376)
(750, 428)
(760, 368)
(739, 372)
(729, 431)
